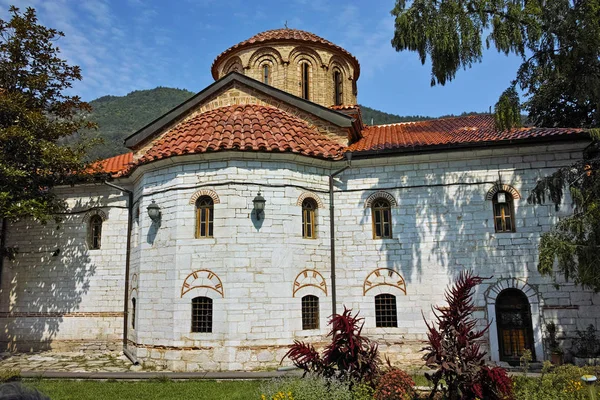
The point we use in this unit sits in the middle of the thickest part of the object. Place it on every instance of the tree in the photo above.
(35, 114)
(558, 41)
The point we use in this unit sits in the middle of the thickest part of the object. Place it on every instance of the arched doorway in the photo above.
(513, 321)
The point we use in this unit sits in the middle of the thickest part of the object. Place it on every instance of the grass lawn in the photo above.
(142, 390)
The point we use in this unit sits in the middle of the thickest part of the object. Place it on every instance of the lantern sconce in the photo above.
(259, 205)
(154, 212)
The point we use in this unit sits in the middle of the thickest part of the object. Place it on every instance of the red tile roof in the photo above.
(283, 35)
(446, 131)
(115, 165)
(244, 127)
(268, 129)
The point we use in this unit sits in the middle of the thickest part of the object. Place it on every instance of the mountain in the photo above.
(120, 116)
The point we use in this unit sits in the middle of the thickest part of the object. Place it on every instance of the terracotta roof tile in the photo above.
(244, 127)
(115, 165)
(282, 35)
(447, 131)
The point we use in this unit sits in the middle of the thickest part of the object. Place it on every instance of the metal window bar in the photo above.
(386, 315)
(202, 312)
(310, 312)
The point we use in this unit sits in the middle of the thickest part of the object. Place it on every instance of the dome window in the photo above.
(266, 74)
(338, 88)
(304, 80)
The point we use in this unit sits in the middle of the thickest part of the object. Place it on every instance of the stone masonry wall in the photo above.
(58, 294)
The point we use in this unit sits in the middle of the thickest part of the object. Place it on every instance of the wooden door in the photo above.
(513, 320)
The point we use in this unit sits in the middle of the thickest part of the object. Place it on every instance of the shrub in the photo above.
(453, 348)
(395, 385)
(310, 387)
(9, 375)
(586, 343)
(563, 383)
(349, 356)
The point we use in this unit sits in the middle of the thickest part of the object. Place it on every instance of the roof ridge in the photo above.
(430, 120)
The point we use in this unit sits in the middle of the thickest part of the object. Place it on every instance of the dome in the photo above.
(283, 35)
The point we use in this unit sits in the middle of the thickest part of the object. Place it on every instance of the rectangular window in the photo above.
(386, 315)
(310, 312)
(503, 217)
(202, 309)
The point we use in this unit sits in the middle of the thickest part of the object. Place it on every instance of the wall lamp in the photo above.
(259, 205)
(154, 212)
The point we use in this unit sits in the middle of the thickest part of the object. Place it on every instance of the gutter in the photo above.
(332, 232)
(129, 193)
(2, 246)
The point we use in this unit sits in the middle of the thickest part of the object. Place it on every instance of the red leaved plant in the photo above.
(349, 355)
(454, 349)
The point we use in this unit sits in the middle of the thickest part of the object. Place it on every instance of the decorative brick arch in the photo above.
(380, 195)
(202, 278)
(301, 53)
(91, 213)
(535, 304)
(501, 187)
(265, 52)
(309, 277)
(384, 277)
(309, 195)
(205, 192)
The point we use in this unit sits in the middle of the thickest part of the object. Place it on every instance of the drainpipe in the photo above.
(332, 232)
(2, 246)
(129, 193)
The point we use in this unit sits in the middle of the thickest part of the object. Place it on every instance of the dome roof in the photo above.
(248, 127)
(282, 35)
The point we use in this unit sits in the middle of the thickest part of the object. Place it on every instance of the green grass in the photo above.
(142, 390)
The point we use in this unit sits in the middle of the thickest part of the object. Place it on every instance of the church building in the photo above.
(247, 215)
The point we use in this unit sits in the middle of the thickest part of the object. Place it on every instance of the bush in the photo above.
(586, 343)
(395, 385)
(564, 383)
(310, 387)
(9, 375)
(454, 351)
(349, 356)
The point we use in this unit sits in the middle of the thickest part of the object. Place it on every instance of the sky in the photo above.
(127, 45)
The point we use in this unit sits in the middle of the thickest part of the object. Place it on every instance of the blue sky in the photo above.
(126, 45)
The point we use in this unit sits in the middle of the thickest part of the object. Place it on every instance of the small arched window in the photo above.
(382, 219)
(503, 212)
(266, 73)
(202, 311)
(204, 217)
(95, 232)
(310, 312)
(386, 315)
(304, 80)
(337, 87)
(309, 224)
(133, 313)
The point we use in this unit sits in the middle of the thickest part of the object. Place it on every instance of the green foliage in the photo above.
(374, 117)
(310, 387)
(10, 375)
(35, 115)
(572, 245)
(118, 117)
(558, 41)
(564, 383)
(587, 344)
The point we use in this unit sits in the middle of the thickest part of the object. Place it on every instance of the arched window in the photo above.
(503, 212)
(382, 219)
(202, 310)
(95, 232)
(310, 312)
(266, 73)
(204, 217)
(133, 313)
(386, 315)
(513, 321)
(309, 223)
(304, 80)
(337, 88)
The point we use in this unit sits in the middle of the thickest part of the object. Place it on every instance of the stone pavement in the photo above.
(66, 362)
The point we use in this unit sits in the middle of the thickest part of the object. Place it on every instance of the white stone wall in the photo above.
(73, 299)
(442, 224)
